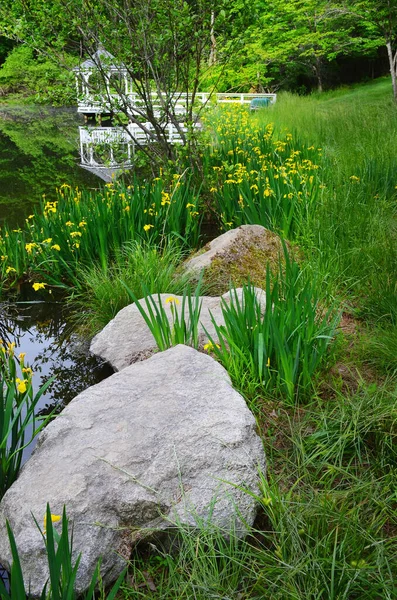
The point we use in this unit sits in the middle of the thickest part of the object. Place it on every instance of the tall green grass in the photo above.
(178, 325)
(84, 228)
(140, 267)
(327, 514)
(18, 402)
(278, 349)
(62, 566)
(352, 235)
(257, 176)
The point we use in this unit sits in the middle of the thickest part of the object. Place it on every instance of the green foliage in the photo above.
(204, 562)
(37, 154)
(257, 44)
(258, 178)
(361, 428)
(378, 348)
(141, 267)
(351, 240)
(83, 228)
(41, 78)
(278, 348)
(286, 41)
(326, 507)
(5, 47)
(18, 425)
(179, 325)
(63, 573)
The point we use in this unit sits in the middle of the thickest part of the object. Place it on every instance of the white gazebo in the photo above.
(99, 80)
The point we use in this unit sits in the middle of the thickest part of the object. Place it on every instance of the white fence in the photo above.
(243, 98)
(135, 105)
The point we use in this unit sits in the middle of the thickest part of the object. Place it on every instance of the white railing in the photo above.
(103, 135)
(92, 138)
(136, 106)
(243, 98)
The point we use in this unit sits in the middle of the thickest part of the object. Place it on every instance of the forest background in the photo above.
(257, 46)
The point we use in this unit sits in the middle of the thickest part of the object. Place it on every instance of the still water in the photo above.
(38, 152)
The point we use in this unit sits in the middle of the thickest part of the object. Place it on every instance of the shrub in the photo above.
(24, 73)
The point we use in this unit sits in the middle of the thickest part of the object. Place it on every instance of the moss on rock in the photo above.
(243, 255)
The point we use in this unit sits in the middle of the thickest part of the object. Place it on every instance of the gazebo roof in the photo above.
(100, 59)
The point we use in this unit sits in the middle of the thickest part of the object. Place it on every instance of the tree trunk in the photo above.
(317, 71)
(212, 57)
(392, 65)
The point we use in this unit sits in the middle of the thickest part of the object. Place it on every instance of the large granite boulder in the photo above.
(127, 338)
(236, 256)
(163, 440)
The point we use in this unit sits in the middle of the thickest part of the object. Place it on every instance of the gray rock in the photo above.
(238, 255)
(162, 440)
(222, 244)
(127, 338)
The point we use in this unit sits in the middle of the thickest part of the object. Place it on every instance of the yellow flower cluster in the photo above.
(8, 366)
(50, 208)
(257, 168)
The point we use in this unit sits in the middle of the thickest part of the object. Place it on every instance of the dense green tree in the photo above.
(163, 44)
(300, 36)
(379, 18)
(179, 45)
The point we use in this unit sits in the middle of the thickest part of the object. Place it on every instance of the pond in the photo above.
(44, 331)
(38, 152)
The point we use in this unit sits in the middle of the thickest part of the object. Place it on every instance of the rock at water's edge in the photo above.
(158, 440)
(127, 338)
(236, 256)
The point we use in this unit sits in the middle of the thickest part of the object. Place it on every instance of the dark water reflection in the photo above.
(38, 152)
(43, 331)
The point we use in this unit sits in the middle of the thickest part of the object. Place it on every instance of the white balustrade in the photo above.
(136, 106)
(243, 98)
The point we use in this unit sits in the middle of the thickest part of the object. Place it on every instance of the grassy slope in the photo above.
(353, 234)
(328, 522)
